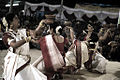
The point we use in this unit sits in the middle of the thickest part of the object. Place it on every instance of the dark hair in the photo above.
(78, 29)
(54, 25)
(60, 31)
(9, 18)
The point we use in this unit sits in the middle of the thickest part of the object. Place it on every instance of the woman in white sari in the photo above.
(78, 52)
(16, 65)
(52, 47)
(99, 63)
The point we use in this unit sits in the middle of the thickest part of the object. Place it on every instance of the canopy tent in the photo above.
(66, 13)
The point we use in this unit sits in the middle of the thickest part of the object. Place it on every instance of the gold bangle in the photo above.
(29, 38)
(25, 39)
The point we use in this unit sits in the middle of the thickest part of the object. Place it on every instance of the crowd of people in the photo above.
(65, 48)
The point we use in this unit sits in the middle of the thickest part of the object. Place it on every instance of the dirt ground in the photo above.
(112, 73)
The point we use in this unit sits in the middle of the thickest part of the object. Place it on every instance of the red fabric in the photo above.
(84, 38)
(5, 38)
(45, 53)
(47, 59)
(78, 53)
(60, 46)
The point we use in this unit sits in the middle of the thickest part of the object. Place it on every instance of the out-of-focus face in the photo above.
(105, 26)
(113, 27)
(90, 28)
(16, 22)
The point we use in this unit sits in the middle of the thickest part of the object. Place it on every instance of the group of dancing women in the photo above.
(64, 50)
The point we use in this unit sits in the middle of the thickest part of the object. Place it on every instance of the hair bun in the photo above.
(9, 17)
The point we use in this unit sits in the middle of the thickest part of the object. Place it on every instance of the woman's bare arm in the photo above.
(17, 44)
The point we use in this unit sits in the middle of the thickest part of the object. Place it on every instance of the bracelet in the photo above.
(28, 39)
(25, 39)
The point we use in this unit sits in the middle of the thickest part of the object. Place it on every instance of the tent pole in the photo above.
(61, 9)
(11, 6)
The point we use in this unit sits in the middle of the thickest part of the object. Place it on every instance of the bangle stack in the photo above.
(28, 39)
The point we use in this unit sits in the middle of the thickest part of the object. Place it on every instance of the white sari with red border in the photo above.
(13, 61)
(70, 57)
(55, 58)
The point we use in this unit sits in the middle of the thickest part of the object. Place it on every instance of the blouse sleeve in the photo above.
(7, 39)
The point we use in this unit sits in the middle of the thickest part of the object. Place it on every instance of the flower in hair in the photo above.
(57, 29)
